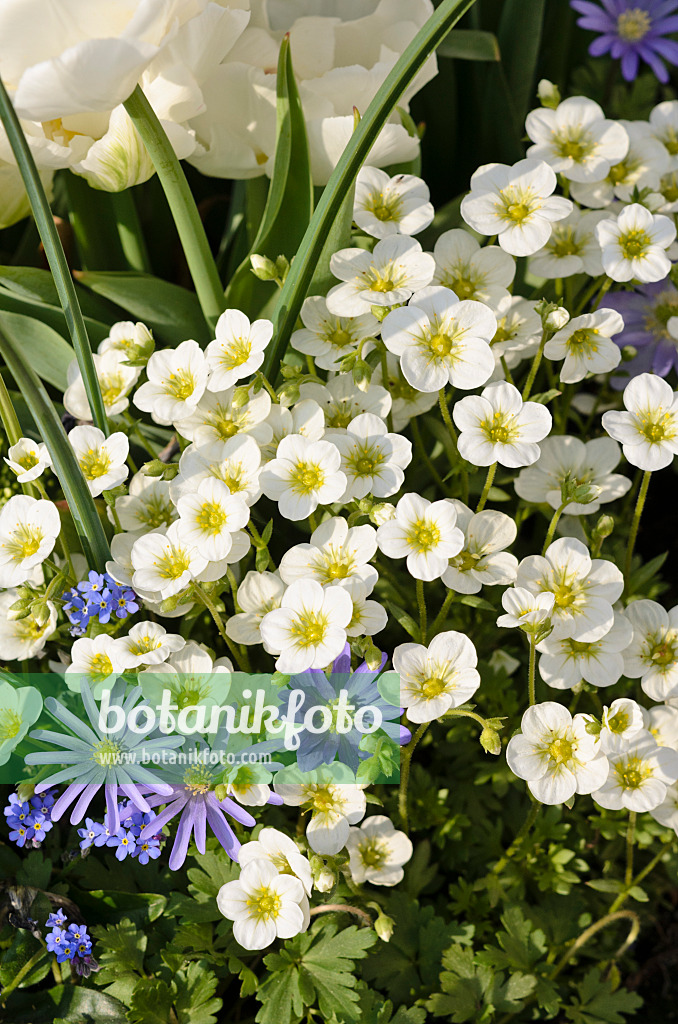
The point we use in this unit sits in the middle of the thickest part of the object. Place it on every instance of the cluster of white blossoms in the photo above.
(351, 508)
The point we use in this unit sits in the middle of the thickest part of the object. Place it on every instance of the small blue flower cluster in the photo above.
(72, 943)
(29, 820)
(99, 596)
(134, 838)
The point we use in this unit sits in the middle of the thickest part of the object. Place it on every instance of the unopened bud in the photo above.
(288, 394)
(490, 741)
(155, 468)
(384, 926)
(263, 268)
(557, 318)
(629, 352)
(548, 93)
(40, 611)
(362, 374)
(25, 790)
(604, 526)
(221, 791)
(325, 880)
(381, 312)
(241, 396)
(373, 656)
(382, 513)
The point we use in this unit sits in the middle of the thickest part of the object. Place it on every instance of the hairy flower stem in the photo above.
(12, 428)
(383, 356)
(419, 445)
(545, 334)
(630, 837)
(531, 687)
(405, 775)
(489, 480)
(519, 839)
(328, 908)
(447, 419)
(421, 602)
(552, 525)
(633, 533)
(649, 867)
(241, 658)
(440, 617)
(192, 235)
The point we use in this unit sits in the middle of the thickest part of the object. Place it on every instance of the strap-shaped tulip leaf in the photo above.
(374, 118)
(55, 257)
(80, 502)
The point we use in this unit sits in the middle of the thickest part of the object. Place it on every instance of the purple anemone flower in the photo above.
(646, 310)
(631, 31)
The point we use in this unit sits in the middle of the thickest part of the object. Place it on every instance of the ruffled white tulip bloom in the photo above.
(423, 532)
(584, 589)
(308, 630)
(388, 275)
(482, 561)
(564, 663)
(101, 459)
(436, 678)
(471, 272)
(652, 654)
(576, 139)
(377, 852)
(585, 345)
(391, 206)
(14, 203)
(516, 204)
(441, 340)
(263, 905)
(640, 773)
(633, 245)
(556, 754)
(648, 431)
(28, 459)
(497, 426)
(567, 460)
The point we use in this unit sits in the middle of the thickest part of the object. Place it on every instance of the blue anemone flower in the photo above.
(631, 31)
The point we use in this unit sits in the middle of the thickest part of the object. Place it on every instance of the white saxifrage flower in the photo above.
(482, 561)
(341, 400)
(210, 516)
(327, 337)
(99, 661)
(441, 340)
(279, 850)
(645, 162)
(177, 378)
(28, 459)
(116, 380)
(372, 459)
(634, 244)
(648, 431)
(335, 552)
(516, 204)
(147, 505)
(576, 140)
(566, 460)
(216, 418)
(572, 248)
(584, 589)
(377, 852)
(519, 331)
(236, 463)
(238, 349)
(385, 277)
(29, 528)
(423, 532)
(304, 417)
(308, 630)
(436, 678)
(128, 339)
(303, 475)
(368, 617)
(334, 806)
(497, 426)
(101, 459)
(620, 723)
(555, 754)
(564, 663)
(407, 401)
(471, 272)
(640, 773)
(652, 653)
(525, 609)
(664, 126)
(585, 345)
(263, 905)
(666, 813)
(149, 643)
(662, 723)
(388, 206)
(165, 561)
(258, 594)
(23, 638)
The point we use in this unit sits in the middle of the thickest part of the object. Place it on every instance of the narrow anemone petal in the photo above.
(170, 811)
(71, 721)
(182, 839)
(237, 812)
(61, 739)
(71, 793)
(55, 757)
(133, 794)
(83, 802)
(222, 829)
(200, 825)
(112, 808)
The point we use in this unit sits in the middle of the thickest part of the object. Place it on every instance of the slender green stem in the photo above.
(550, 533)
(445, 607)
(505, 368)
(383, 356)
(22, 973)
(329, 908)
(55, 257)
(196, 248)
(341, 180)
(649, 867)
(633, 533)
(406, 761)
(489, 480)
(419, 444)
(447, 419)
(630, 838)
(241, 658)
(587, 295)
(531, 687)
(524, 829)
(130, 231)
(535, 365)
(12, 427)
(421, 603)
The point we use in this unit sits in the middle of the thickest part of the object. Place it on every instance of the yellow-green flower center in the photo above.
(180, 385)
(634, 24)
(309, 629)
(211, 517)
(106, 752)
(10, 723)
(423, 536)
(560, 750)
(634, 243)
(307, 477)
(95, 463)
(632, 772)
(373, 852)
(264, 903)
(237, 353)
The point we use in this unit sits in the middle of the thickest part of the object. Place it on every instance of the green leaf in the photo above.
(289, 204)
(646, 573)
(120, 952)
(473, 601)
(194, 1002)
(36, 285)
(316, 966)
(522, 945)
(214, 871)
(151, 1002)
(519, 35)
(50, 354)
(55, 257)
(341, 180)
(17, 958)
(173, 313)
(469, 44)
(606, 884)
(404, 619)
(597, 1001)
(544, 397)
(473, 992)
(85, 516)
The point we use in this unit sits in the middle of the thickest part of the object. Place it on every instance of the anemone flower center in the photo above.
(633, 25)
